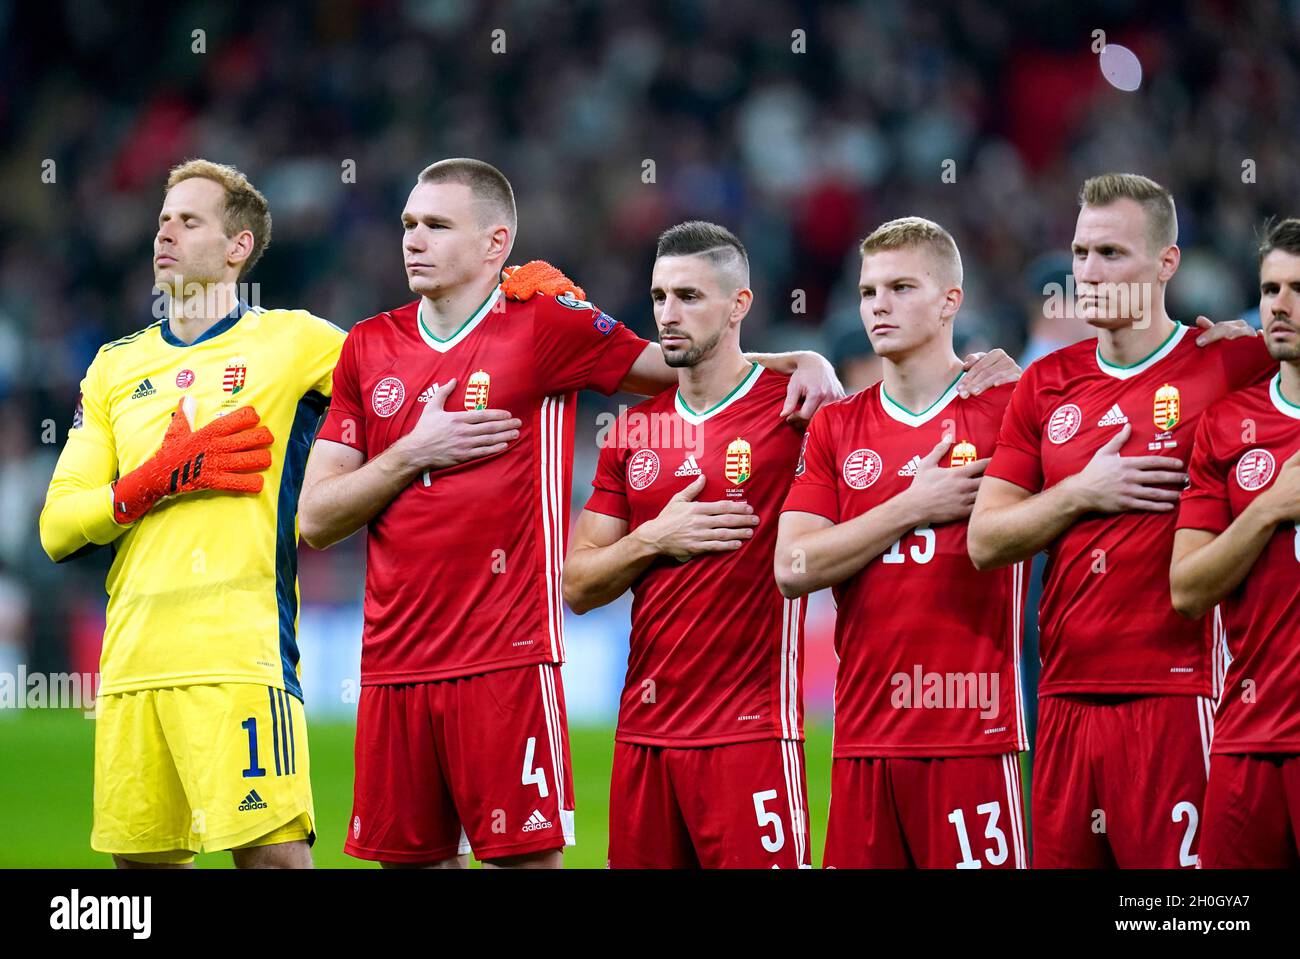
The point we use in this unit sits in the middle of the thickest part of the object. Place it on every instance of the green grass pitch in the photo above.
(46, 771)
(47, 764)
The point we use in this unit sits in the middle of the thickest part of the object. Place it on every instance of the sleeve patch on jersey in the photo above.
(572, 302)
(605, 323)
(78, 416)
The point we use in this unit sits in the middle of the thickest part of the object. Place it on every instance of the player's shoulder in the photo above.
(130, 342)
(851, 409)
(772, 379)
(1237, 351)
(1233, 407)
(298, 322)
(384, 324)
(1070, 361)
(994, 398)
(665, 401)
(564, 308)
(769, 386)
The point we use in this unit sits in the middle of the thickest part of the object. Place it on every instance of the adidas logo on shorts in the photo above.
(536, 821)
(252, 801)
(910, 468)
(1114, 417)
(689, 467)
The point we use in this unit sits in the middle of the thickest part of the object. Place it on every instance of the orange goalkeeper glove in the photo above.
(537, 276)
(226, 454)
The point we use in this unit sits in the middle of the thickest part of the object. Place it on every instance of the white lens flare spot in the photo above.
(1121, 67)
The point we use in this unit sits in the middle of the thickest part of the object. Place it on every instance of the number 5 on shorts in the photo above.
(532, 775)
(766, 818)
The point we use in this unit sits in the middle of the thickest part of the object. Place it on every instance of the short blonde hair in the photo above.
(245, 207)
(916, 231)
(1162, 218)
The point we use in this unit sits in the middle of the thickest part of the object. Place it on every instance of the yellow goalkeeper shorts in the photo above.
(199, 768)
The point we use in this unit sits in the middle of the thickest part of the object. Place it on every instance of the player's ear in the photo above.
(499, 243)
(1170, 257)
(741, 304)
(952, 301)
(240, 248)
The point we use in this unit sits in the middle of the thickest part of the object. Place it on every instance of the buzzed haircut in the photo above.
(245, 208)
(1162, 218)
(915, 231)
(1282, 235)
(494, 200)
(715, 243)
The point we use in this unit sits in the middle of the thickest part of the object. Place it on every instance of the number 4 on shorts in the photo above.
(532, 775)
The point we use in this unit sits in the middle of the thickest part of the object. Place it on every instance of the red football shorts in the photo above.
(740, 806)
(478, 764)
(1119, 781)
(955, 812)
(1252, 813)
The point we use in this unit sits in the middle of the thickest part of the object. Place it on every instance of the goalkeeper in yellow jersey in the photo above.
(186, 454)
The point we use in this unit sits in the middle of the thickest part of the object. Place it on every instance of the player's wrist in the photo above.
(1267, 510)
(645, 540)
(913, 507)
(404, 458)
(1076, 496)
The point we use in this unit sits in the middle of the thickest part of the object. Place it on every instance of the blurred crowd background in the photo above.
(799, 125)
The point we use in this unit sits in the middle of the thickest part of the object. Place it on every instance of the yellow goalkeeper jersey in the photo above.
(204, 587)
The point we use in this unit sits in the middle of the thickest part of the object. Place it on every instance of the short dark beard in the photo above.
(1280, 352)
(693, 354)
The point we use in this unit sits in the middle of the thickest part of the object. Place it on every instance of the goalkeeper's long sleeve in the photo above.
(79, 505)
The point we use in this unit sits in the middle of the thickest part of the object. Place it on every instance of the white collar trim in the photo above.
(466, 328)
(1282, 404)
(1127, 372)
(901, 413)
(743, 387)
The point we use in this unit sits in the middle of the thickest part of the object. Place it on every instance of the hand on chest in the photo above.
(880, 464)
(740, 462)
(395, 397)
(1161, 416)
(219, 383)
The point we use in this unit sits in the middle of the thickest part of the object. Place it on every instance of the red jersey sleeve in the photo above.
(1018, 456)
(1204, 504)
(816, 481)
(345, 423)
(1246, 362)
(609, 487)
(578, 347)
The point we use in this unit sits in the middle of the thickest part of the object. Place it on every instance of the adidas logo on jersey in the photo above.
(426, 395)
(689, 467)
(910, 467)
(1114, 417)
(143, 390)
(252, 801)
(536, 821)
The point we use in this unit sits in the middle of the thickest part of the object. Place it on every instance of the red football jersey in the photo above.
(1241, 444)
(929, 647)
(1106, 621)
(716, 650)
(463, 566)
